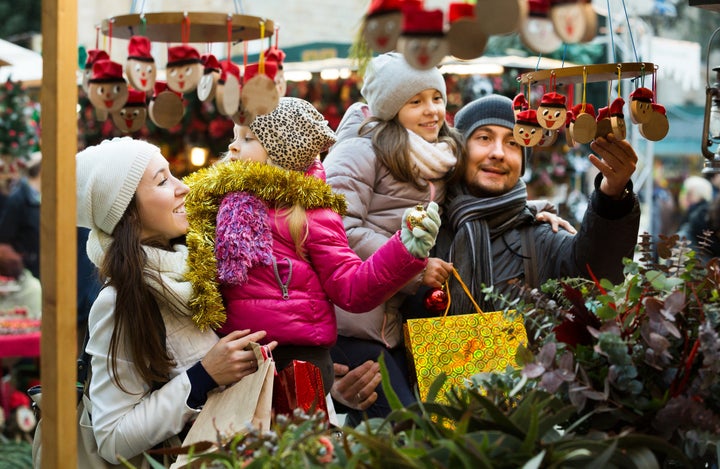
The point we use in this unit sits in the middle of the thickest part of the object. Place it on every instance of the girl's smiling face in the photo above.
(424, 114)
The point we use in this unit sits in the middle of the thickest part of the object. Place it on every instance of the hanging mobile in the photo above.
(658, 126)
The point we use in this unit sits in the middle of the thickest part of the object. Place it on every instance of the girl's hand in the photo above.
(229, 361)
(436, 273)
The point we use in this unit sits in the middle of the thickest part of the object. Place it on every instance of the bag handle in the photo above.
(465, 289)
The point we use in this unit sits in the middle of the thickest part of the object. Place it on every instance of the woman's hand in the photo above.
(229, 360)
(437, 272)
(356, 388)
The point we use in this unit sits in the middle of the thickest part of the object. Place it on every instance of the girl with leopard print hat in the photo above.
(267, 245)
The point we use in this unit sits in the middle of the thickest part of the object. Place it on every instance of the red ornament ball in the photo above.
(436, 300)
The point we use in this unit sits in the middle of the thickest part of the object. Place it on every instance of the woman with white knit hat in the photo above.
(151, 367)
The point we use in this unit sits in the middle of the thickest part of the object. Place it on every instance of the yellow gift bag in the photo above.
(461, 345)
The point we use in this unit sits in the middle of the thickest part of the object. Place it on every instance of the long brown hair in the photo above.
(139, 326)
(391, 146)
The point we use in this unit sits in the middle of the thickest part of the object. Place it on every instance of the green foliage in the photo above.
(19, 121)
(15, 454)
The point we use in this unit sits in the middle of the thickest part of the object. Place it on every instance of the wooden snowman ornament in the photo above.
(93, 55)
(166, 108)
(617, 118)
(537, 31)
(583, 127)
(569, 120)
(140, 65)
(604, 126)
(574, 20)
(551, 112)
(641, 105)
(467, 41)
(107, 89)
(277, 56)
(211, 75)
(184, 69)
(423, 42)
(132, 116)
(259, 94)
(658, 126)
(382, 25)
(548, 138)
(227, 94)
(527, 131)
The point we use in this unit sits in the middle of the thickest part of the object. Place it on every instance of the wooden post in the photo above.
(58, 233)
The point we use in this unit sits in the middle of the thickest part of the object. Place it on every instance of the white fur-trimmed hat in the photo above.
(107, 176)
(390, 81)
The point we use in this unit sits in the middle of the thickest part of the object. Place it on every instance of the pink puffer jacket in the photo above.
(292, 299)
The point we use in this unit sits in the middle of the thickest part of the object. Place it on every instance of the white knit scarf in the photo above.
(170, 266)
(432, 160)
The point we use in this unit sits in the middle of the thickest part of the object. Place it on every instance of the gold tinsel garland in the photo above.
(276, 186)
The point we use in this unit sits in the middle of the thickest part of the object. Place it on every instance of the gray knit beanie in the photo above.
(107, 176)
(390, 81)
(492, 109)
(293, 134)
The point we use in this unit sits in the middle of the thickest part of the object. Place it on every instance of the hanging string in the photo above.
(185, 29)
(610, 28)
(537, 65)
(565, 48)
(229, 37)
(632, 41)
(97, 36)
(642, 75)
(654, 80)
(277, 36)
(261, 60)
(238, 7)
(109, 36)
(143, 24)
(245, 57)
(553, 83)
(584, 90)
(619, 70)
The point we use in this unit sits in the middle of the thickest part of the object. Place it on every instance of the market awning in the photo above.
(20, 64)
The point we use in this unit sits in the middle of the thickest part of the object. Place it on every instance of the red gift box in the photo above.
(299, 385)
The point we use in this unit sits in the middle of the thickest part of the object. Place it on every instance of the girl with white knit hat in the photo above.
(268, 248)
(151, 366)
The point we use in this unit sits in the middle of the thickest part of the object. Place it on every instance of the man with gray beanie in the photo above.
(492, 237)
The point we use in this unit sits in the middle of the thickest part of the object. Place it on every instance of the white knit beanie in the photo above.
(107, 176)
(390, 81)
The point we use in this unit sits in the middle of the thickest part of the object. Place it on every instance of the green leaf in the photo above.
(390, 393)
(535, 462)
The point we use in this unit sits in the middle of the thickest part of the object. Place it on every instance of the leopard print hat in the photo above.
(293, 134)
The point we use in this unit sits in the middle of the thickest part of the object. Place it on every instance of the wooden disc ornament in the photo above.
(551, 112)
(184, 69)
(658, 126)
(132, 116)
(227, 93)
(584, 128)
(140, 65)
(617, 118)
(527, 131)
(574, 21)
(277, 56)
(259, 94)
(537, 31)
(548, 138)
(569, 120)
(641, 105)
(423, 42)
(107, 89)
(211, 75)
(499, 16)
(466, 40)
(166, 108)
(604, 126)
(382, 25)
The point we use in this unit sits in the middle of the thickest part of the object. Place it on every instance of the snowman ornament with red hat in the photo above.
(551, 112)
(527, 131)
(140, 65)
(423, 42)
(107, 89)
(382, 25)
(184, 69)
(211, 75)
(133, 115)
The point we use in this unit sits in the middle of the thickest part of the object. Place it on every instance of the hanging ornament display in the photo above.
(93, 55)
(140, 65)
(166, 108)
(548, 138)
(527, 130)
(208, 81)
(658, 126)
(603, 126)
(382, 25)
(537, 31)
(641, 105)
(423, 42)
(499, 16)
(259, 94)
(465, 38)
(583, 127)
(574, 20)
(551, 111)
(617, 118)
(184, 69)
(132, 116)
(107, 89)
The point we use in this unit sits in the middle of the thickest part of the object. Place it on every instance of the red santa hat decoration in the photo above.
(107, 89)
(140, 66)
(527, 131)
(423, 42)
(211, 75)
(184, 69)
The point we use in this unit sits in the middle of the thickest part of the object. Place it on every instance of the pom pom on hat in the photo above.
(458, 11)
(107, 177)
(589, 109)
(136, 98)
(106, 71)
(390, 81)
(293, 134)
(419, 22)
(139, 49)
(489, 110)
(210, 63)
(252, 69)
(182, 55)
(93, 55)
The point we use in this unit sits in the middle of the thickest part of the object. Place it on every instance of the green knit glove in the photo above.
(419, 229)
